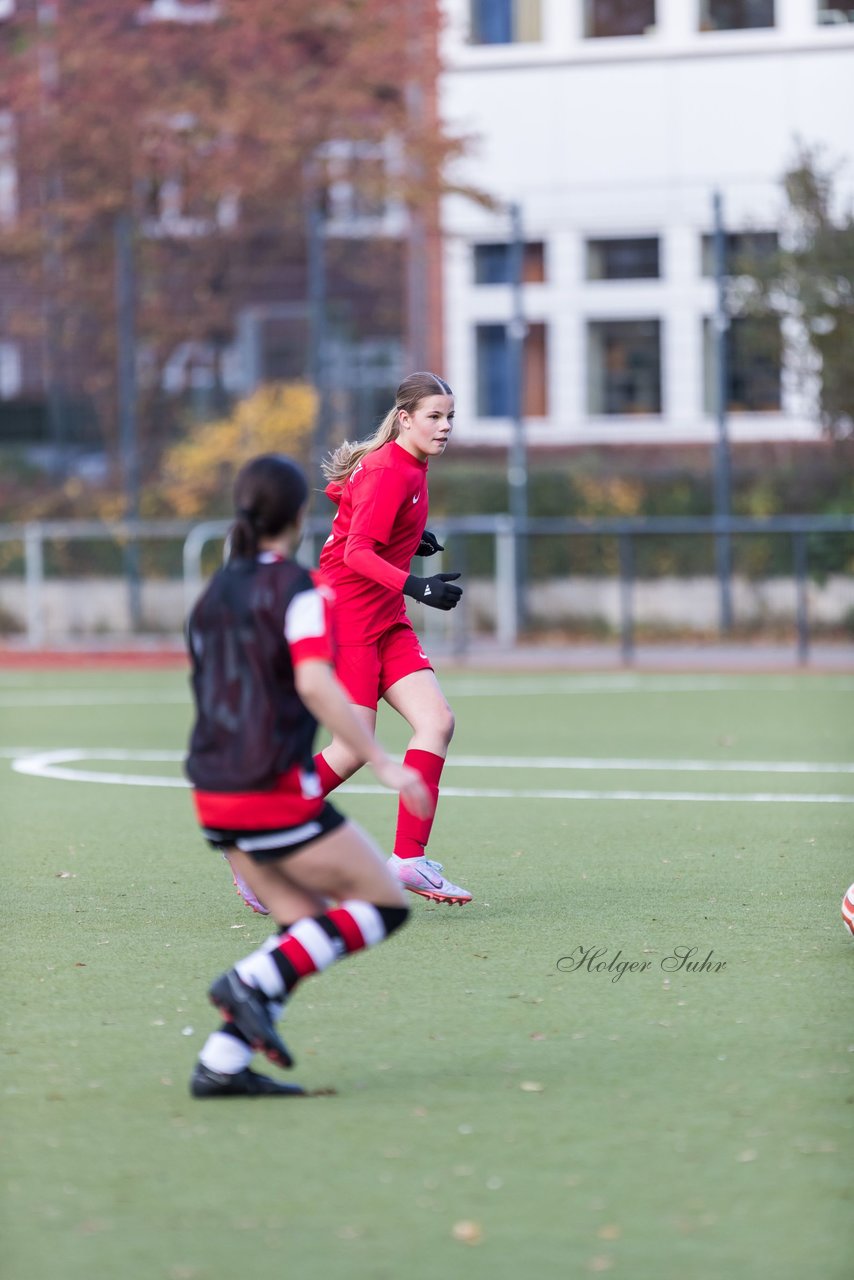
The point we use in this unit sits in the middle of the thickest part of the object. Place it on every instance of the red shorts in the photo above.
(368, 670)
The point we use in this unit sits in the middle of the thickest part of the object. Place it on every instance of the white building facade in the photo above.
(612, 123)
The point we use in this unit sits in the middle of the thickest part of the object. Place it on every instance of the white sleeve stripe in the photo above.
(305, 617)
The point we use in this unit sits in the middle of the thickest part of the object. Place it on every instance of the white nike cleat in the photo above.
(424, 877)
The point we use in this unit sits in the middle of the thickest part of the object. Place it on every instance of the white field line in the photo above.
(526, 686)
(651, 766)
(548, 685)
(596, 763)
(51, 764)
(756, 797)
(23, 699)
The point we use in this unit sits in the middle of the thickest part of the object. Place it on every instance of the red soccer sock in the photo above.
(413, 833)
(329, 779)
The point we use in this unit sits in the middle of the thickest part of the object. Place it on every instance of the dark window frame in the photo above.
(754, 377)
(602, 16)
(618, 394)
(491, 262)
(713, 15)
(492, 386)
(600, 245)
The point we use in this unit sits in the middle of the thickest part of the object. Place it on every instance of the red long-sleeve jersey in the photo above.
(382, 513)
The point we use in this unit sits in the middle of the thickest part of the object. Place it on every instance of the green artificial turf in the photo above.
(653, 1127)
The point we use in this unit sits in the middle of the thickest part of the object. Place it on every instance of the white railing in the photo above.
(502, 597)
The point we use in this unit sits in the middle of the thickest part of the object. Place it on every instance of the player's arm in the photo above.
(325, 698)
(374, 511)
(377, 500)
(438, 591)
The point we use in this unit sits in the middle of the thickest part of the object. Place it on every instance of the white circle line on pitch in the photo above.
(52, 764)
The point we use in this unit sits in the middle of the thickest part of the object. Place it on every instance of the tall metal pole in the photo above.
(318, 331)
(722, 482)
(51, 183)
(127, 400)
(517, 462)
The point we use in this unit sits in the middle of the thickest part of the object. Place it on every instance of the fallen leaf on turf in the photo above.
(600, 1263)
(468, 1232)
(531, 1086)
(745, 1157)
(610, 1232)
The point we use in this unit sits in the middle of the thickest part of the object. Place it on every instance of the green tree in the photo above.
(810, 281)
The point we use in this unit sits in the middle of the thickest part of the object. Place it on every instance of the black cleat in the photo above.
(249, 1010)
(205, 1083)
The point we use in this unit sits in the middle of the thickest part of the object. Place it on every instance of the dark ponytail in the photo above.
(269, 493)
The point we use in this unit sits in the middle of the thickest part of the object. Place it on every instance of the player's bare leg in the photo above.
(419, 699)
(343, 866)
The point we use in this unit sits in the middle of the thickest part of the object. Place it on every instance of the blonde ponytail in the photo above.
(342, 462)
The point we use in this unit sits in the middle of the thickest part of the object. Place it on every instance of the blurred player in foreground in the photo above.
(262, 680)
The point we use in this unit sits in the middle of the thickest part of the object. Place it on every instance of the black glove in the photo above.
(439, 592)
(429, 544)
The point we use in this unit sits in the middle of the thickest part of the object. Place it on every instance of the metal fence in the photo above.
(510, 542)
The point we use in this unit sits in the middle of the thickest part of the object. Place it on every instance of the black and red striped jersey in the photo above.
(254, 623)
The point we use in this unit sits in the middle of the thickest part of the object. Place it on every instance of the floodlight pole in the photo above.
(723, 475)
(127, 400)
(318, 326)
(517, 462)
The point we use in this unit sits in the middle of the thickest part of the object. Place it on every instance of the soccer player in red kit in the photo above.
(380, 488)
(262, 680)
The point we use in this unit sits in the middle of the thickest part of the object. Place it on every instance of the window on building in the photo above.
(176, 197)
(829, 15)
(8, 170)
(10, 370)
(618, 17)
(754, 358)
(493, 263)
(505, 21)
(355, 180)
(742, 249)
(735, 15)
(623, 259)
(624, 366)
(493, 372)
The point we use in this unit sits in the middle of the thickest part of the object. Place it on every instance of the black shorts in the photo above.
(270, 845)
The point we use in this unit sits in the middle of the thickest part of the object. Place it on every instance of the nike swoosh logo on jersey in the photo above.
(417, 496)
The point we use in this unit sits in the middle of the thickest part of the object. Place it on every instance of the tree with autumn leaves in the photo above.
(209, 125)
